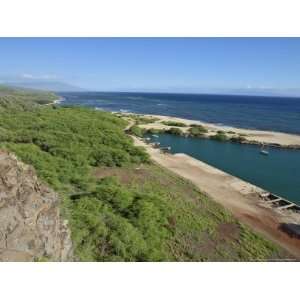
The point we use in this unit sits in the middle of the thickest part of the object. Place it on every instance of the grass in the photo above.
(200, 229)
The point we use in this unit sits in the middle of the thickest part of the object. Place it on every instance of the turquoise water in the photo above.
(279, 172)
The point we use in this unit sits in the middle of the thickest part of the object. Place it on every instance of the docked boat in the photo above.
(264, 151)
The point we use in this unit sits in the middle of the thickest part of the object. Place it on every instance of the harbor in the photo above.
(278, 172)
(249, 203)
(273, 200)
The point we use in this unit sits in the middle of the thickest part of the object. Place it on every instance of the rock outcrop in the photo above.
(31, 227)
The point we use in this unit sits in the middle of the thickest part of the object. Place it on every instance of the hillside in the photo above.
(120, 205)
(16, 98)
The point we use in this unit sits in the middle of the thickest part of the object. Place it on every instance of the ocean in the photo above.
(279, 172)
(267, 113)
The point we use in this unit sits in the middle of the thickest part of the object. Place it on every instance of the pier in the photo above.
(279, 202)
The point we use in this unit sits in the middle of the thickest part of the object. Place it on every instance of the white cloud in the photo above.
(41, 77)
(26, 75)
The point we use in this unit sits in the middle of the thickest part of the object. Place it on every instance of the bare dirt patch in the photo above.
(228, 231)
(125, 175)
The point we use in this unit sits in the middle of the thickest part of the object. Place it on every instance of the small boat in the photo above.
(165, 149)
(264, 151)
(155, 135)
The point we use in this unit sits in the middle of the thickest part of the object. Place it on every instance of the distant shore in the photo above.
(59, 100)
(250, 136)
(56, 101)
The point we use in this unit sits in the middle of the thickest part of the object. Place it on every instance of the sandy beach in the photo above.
(240, 197)
(57, 101)
(251, 136)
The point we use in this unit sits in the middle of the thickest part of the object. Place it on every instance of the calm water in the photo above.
(269, 113)
(278, 172)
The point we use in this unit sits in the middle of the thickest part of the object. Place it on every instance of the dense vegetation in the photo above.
(136, 130)
(116, 223)
(155, 131)
(120, 206)
(174, 130)
(174, 123)
(63, 143)
(238, 139)
(197, 130)
(220, 136)
(20, 99)
(139, 119)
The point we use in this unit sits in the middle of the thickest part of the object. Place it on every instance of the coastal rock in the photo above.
(31, 227)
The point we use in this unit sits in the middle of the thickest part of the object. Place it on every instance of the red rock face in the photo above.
(30, 224)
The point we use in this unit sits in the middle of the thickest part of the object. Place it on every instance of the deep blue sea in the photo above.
(279, 172)
(267, 113)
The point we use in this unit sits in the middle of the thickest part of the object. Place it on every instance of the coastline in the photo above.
(250, 136)
(57, 101)
(241, 198)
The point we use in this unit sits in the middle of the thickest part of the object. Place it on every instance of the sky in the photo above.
(244, 65)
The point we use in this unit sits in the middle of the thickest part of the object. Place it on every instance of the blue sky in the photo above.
(156, 64)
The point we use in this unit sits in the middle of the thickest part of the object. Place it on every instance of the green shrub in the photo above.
(115, 223)
(197, 130)
(63, 142)
(136, 130)
(174, 130)
(220, 136)
(110, 191)
(139, 120)
(154, 131)
(174, 123)
(238, 139)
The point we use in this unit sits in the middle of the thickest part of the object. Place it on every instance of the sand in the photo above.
(236, 195)
(57, 101)
(260, 136)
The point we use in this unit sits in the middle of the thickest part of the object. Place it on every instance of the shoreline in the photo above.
(241, 198)
(56, 101)
(59, 100)
(250, 136)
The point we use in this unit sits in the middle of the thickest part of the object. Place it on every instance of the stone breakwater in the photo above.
(31, 227)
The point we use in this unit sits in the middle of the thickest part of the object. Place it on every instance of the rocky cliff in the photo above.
(31, 227)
